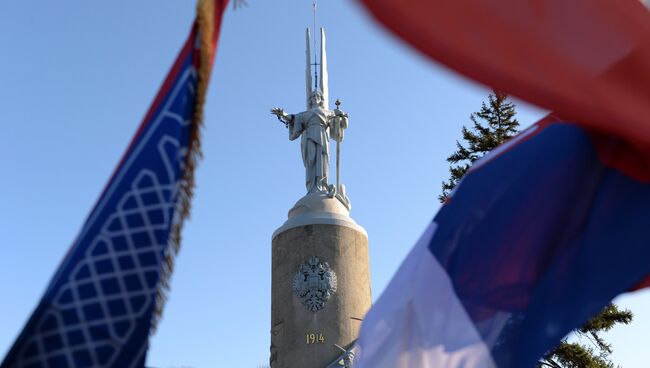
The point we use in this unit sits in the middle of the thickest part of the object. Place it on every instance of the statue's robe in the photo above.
(313, 126)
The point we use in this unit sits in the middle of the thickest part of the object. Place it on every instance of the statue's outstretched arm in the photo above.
(287, 119)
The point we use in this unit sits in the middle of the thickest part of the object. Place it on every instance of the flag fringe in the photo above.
(205, 11)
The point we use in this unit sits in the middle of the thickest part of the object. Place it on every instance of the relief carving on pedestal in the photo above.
(314, 283)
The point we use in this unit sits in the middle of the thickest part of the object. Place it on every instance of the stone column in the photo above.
(320, 284)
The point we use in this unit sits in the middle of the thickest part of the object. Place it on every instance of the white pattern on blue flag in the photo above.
(92, 312)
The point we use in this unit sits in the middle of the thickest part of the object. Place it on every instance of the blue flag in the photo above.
(99, 307)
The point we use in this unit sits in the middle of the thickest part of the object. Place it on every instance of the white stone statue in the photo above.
(316, 125)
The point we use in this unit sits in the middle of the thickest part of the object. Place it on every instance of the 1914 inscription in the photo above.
(315, 338)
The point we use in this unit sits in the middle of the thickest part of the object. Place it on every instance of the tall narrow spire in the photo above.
(315, 8)
(312, 83)
(324, 88)
(308, 70)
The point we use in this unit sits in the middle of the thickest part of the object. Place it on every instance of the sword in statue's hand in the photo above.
(338, 151)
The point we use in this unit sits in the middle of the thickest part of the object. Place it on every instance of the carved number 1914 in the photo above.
(315, 338)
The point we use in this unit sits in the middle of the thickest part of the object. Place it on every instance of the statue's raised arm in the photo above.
(282, 116)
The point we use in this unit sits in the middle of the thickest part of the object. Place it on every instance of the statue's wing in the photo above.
(324, 88)
(308, 70)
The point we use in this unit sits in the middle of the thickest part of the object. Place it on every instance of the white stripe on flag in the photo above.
(419, 322)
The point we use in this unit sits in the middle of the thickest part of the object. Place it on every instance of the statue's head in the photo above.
(316, 100)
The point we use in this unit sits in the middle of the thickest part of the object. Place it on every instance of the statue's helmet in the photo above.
(316, 99)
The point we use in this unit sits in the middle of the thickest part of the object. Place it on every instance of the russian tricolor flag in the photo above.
(540, 236)
(545, 231)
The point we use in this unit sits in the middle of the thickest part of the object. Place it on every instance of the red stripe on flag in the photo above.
(188, 47)
(625, 158)
(162, 92)
(643, 284)
(587, 60)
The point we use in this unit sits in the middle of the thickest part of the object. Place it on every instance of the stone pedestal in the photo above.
(320, 284)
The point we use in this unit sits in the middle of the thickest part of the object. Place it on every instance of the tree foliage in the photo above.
(492, 125)
(590, 350)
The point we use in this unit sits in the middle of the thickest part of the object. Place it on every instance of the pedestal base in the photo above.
(306, 322)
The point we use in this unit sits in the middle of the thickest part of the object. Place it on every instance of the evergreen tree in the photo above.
(590, 350)
(493, 124)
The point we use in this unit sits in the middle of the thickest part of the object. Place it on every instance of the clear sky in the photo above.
(76, 78)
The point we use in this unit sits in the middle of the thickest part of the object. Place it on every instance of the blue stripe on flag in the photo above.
(97, 310)
(531, 236)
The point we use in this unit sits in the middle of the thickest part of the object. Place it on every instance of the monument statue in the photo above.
(320, 274)
(315, 126)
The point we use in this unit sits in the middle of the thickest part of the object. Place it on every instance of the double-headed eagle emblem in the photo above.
(314, 283)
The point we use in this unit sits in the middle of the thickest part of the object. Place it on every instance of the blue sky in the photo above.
(76, 78)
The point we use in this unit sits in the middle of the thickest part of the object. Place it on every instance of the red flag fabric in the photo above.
(643, 284)
(588, 60)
